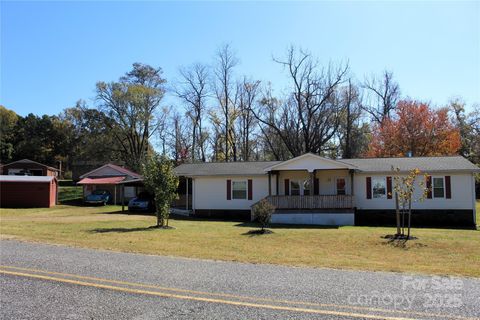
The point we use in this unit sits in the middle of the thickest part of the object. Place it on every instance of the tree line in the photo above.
(221, 115)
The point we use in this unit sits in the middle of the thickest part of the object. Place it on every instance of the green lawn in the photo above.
(70, 194)
(437, 251)
(478, 214)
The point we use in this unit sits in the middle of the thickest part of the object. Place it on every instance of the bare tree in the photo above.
(248, 91)
(272, 145)
(217, 140)
(383, 96)
(468, 126)
(310, 115)
(352, 133)
(225, 91)
(163, 127)
(179, 141)
(194, 91)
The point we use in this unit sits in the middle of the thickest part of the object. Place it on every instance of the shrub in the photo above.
(262, 212)
(160, 179)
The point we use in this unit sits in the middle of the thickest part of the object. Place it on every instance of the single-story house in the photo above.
(20, 191)
(310, 189)
(122, 183)
(26, 167)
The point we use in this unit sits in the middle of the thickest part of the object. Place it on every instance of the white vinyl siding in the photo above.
(461, 185)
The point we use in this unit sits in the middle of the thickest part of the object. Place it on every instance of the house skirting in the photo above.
(420, 218)
(243, 215)
(334, 218)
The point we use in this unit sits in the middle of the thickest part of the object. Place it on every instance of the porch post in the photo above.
(351, 182)
(123, 197)
(115, 194)
(312, 181)
(187, 193)
(193, 195)
(269, 183)
(276, 182)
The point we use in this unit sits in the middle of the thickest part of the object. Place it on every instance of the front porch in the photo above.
(282, 202)
(311, 182)
(312, 190)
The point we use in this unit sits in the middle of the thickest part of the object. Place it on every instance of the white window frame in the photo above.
(384, 196)
(301, 189)
(246, 189)
(433, 187)
(299, 182)
(345, 188)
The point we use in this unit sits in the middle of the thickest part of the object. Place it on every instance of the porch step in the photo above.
(180, 212)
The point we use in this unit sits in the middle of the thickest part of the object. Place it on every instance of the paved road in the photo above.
(39, 281)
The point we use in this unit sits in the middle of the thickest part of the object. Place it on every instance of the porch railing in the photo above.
(312, 202)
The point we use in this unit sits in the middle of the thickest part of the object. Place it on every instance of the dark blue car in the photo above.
(143, 202)
(101, 197)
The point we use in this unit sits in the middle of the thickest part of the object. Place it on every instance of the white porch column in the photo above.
(277, 174)
(187, 193)
(269, 183)
(351, 182)
(312, 182)
(193, 195)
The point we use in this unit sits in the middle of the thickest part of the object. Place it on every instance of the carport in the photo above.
(136, 184)
(111, 177)
(111, 184)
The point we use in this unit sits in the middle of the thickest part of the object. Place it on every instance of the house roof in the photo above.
(427, 164)
(310, 162)
(121, 171)
(13, 178)
(109, 180)
(28, 161)
(224, 168)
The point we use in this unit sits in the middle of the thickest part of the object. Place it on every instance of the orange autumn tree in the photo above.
(415, 128)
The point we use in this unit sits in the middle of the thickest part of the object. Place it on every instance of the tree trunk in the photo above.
(403, 221)
(409, 217)
(397, 214)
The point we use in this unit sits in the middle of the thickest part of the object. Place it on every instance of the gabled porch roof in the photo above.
(309, 162)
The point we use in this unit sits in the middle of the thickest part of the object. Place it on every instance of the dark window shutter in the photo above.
(229, 189)
(448, 188)
(428, 184)
(369, 187)
(316, 186)
(287, 187)
(389, 187)
(250, 189)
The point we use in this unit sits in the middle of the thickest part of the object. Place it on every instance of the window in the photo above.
(294, 188)
(379, 188)
(36, 172)
(306, 187)
(340, 186)
(239, 189)
(438, 187)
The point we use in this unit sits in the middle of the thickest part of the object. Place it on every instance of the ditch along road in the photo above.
(40, 281)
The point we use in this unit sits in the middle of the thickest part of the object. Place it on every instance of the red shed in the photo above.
(27, 167)
(28, 191)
